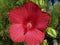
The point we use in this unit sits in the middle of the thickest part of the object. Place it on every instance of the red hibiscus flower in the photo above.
(28, 24)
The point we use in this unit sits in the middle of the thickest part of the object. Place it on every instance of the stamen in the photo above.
(29, 25)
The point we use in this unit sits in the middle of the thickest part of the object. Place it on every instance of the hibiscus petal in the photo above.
(43, 21)
(18, 15)
(16, 32)
(34, 36)
(33, 10)
(32, 7)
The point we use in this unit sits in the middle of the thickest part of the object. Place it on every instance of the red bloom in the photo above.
(28, 23)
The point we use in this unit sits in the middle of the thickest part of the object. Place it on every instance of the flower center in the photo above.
(29, 25)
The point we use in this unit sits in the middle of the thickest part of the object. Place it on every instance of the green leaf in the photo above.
(45, 42)
(35, 1)
(41, 3)
(57, 7)
(21, 2)
(51, 32)
(54, 18)
(5, 3)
